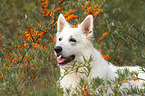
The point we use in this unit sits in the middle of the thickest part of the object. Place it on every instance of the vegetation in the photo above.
(27, 37)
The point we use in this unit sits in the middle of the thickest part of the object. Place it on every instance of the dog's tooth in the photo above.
(59, 56)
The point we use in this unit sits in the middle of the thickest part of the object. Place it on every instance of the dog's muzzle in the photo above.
(61, 59)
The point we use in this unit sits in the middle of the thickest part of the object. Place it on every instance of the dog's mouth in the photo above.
(64, 60)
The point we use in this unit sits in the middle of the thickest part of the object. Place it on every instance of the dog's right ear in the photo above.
(87, 25)
(61, 23)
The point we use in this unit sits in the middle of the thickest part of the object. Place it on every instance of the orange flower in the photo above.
(44, 13)
(58, 9)
(8, 56)
(34, 45)
(97, 12)
(39, 25)
(69, 13)
(52, 16)
(10, 59)
(43, 33)
(104, 34)
(26, 55)
(15, 60)
(40, 34)
(53, 40)
(21, 54)
(30, 39)
(47, 14)
(60, 2)
(83, 7)
(85, 91)
(96, 6)
(29, 30)
(20, 47)
(88, 94)
(55, 23)
(4, 44)
(104, 56)
(0, 35)
(44, 6)
(50, 35)
(46, 3)
(1, 76)
(107, 57)
(39, 40)
(22, 37)
(7, 67)
(27, 35)
(46, 45)
(36, 32)
(74, 26)
(44, 86)
(101, 50)
(89, 9)
(43, 47)
(71, 17)
(26, 45)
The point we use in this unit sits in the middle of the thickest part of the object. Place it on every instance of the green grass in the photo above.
(36, 71)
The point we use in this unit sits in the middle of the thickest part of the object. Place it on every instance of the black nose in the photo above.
(57, 49)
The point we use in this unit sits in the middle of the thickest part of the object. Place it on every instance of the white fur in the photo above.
(83, 47)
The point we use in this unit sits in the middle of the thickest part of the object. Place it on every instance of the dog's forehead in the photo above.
(74, 32)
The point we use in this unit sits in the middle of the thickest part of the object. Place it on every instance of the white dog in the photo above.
(74, 44)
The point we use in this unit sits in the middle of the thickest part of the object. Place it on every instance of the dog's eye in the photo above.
(60, 39)
(72, 40)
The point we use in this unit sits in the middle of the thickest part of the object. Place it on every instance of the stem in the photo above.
(130, 35)
(28, 49)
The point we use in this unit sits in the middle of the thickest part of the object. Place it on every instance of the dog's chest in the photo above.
(71, 80)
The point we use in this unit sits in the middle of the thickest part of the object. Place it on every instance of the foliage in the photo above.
(98, 86)
(27, 38)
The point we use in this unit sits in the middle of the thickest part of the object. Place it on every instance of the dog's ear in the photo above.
(87, 25)
(61, 23)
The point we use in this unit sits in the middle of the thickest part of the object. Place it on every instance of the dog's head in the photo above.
(71, 42)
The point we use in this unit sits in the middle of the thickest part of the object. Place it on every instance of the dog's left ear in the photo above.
(87, 25)
(62, 23)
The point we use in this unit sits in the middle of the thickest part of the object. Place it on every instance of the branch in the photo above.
(28, 49)
(134, 38)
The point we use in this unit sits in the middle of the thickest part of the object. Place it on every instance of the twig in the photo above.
(23, 58)
(130, 35)
(117, 83)
(123, 38)
(110, 30)
(24, 78)
(28, 49)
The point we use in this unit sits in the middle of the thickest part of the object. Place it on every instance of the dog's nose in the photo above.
(57, 49)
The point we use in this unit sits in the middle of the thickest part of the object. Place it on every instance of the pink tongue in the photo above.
(60, 60)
